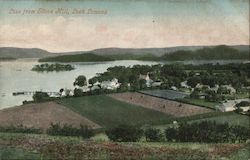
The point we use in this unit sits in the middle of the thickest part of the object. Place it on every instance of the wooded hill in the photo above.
(216, 53)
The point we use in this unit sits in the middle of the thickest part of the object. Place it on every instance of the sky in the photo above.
(122, 23)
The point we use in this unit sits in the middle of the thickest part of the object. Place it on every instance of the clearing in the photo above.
(41, 115)
(169, 107)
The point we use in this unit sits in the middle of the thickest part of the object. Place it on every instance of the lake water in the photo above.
(16, 76)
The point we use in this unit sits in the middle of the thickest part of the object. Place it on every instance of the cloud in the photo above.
(80, 33)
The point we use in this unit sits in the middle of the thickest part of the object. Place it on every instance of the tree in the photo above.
(124, 133)
(193, 81)
(40, 97)
(153, 135)
(142, 83)
(80, 81)
(78, 92)
(93, 80)
(171, 134)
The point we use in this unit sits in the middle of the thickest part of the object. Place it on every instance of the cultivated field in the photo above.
(41, 115)
(108, 112)
(169, 107)
(167, 94)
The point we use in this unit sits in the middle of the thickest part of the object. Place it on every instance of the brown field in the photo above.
(173, 108)
(41, 115)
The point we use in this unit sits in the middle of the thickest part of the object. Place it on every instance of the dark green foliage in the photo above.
(124, 133)
(86, 57)
(69, 130)
(174, 74)
(20, 129)
(243, 104)
(80, 81)
(78, 92)
(171, 134)
(193, 80)
(41, 97)
(207, 132)
(153, 135)
(52, 67)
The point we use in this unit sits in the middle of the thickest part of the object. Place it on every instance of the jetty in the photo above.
(33, 92)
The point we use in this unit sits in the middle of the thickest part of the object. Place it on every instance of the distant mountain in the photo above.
(116, 53)
(221, 52)
(158, 51)
(143, 51)
(12, 52)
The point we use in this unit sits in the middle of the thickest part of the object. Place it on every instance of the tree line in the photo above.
(203, 132)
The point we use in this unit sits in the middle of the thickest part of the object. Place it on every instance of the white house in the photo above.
(84, 88)
(97, 83)
(184, 84)
(215, 88)
(229, 87)
(173, 88)
(67, 92)
(111, 85)
(156, 84)
(94, 87)
(229, 105)
(201, 86)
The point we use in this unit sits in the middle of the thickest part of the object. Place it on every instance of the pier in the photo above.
(33, 92)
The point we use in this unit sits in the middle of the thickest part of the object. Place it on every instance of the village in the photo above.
(226, 96)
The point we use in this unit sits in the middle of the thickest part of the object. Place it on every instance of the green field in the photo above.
(199, 102)
(231, 119)
(109, 112)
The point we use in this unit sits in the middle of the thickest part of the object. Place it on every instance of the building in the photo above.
(230, 105)
(156, 84)
(111, 85)
(230, 88)
(84, 88)
(67, 92)
(147, 79)
(184, 84)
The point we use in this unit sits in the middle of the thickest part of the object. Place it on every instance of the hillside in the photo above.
(116, 53)
(216, 53)
(221, 52)
(12, 52)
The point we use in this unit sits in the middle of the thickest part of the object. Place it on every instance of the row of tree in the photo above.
(205, 132)
(68, 130)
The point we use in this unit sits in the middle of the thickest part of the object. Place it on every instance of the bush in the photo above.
(124, 133)
(69, 130)
(20, 129)
(153, 135)
(41, 97)
(78, 92)
(208, 132)
(171, 134)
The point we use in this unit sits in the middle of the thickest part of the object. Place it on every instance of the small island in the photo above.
(52, 67)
